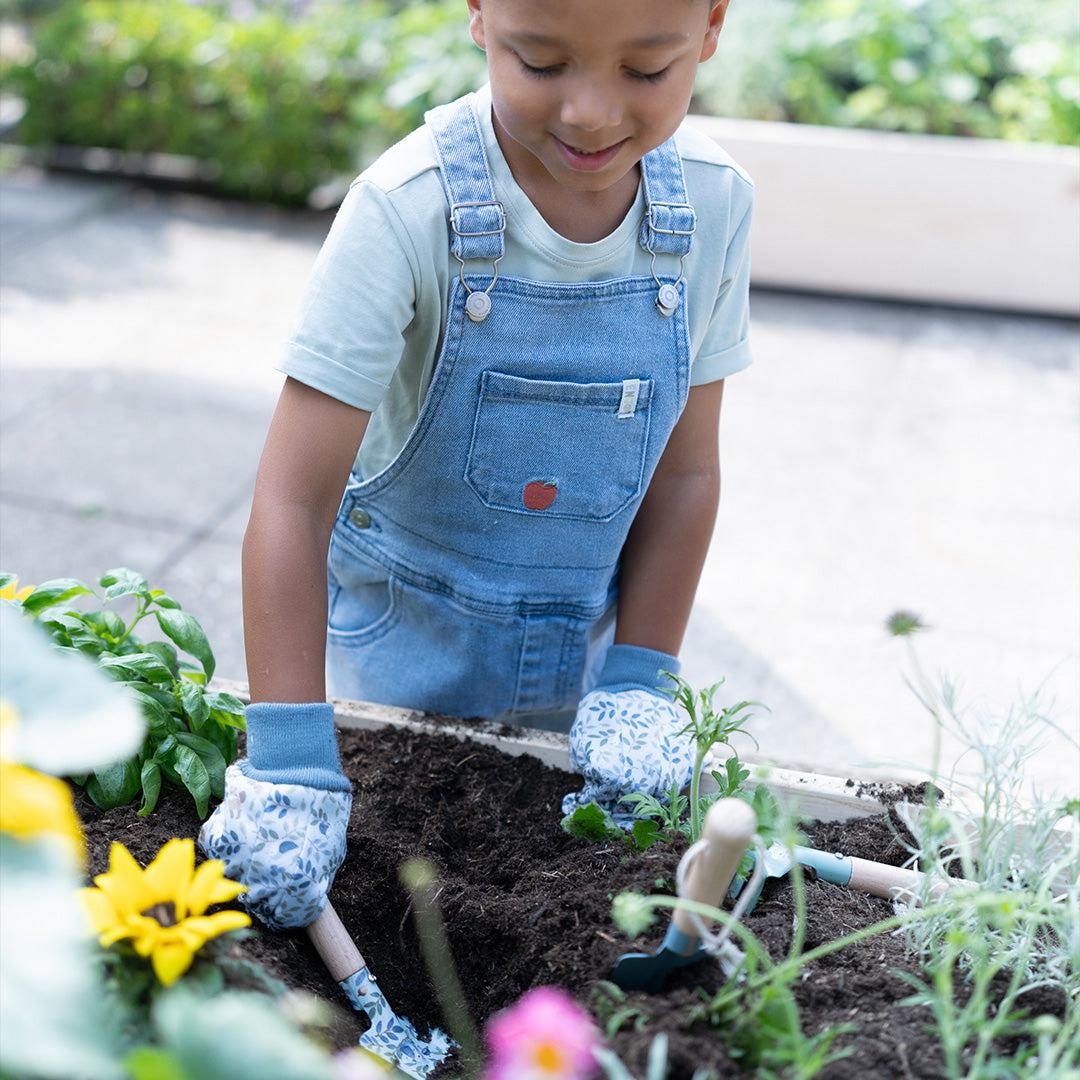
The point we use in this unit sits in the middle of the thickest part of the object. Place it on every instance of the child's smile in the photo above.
(583, 89)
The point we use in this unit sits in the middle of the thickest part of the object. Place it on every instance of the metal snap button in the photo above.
(667, 299)
(360, 517)
(478, 306)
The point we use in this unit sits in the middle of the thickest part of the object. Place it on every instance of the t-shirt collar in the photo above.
(523, 216)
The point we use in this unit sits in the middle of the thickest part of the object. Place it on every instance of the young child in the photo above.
(526, 311)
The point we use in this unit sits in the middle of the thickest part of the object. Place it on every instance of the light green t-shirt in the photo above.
(371, 323)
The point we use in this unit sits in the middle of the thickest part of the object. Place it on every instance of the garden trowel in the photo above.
(878, 879)
(727, 832)
(390, 1037)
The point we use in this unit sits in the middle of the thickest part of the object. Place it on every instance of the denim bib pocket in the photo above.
(361, 596)
(561, 449)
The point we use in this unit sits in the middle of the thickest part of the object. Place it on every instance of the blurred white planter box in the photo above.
(979, 222)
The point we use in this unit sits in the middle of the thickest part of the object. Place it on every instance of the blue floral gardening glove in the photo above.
(281, 827)
(626, 735)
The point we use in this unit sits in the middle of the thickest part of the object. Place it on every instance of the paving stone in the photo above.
(39, 543)
(171, 449)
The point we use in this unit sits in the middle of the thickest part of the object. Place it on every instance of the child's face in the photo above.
(588, 87)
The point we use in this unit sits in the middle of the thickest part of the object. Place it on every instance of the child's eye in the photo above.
(652, 76)
(538, 72)
(547, 72)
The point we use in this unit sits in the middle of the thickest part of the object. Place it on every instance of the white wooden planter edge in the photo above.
(931, 218)
(818, 795)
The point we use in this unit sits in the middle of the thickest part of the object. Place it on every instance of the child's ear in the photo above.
(717, 11)
(476, 23)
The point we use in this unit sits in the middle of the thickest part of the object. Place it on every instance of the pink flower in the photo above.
(544, 1036)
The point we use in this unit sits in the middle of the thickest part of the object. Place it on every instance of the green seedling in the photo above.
(709, 729)
(614, 1012)
(191, 731)
(982, 962)
(593, 823)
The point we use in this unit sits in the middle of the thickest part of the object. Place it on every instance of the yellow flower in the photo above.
(31, 803)
(161, 908)
(11, 591)
(9, 721)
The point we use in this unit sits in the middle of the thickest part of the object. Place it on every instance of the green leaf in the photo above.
(165, 748)
(193, 775)
(158, 718)
(220, 699)
(146, 664)
(124, 582)
(194, 702)
(167, 654)
(56, 591)
(645, 833)
(185, 630)
(106, 624)
(211, 757)
(151, 1063)
(114, 786)
(7, 579)
(163, 599)
(151, 787)
(224, 738)
(192, 672)
(56, 630)
(591, 822)
(230, 719)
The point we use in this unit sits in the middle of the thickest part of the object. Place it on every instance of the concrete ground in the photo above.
(876, 456)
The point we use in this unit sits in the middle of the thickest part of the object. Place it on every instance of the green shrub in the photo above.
(278, 105)
(949, 67)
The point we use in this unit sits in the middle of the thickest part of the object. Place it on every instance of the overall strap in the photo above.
(667, 226)
(477, 218)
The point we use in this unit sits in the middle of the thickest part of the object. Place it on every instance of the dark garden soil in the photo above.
(527, 905)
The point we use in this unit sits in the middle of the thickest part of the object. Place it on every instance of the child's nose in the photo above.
(591, 109)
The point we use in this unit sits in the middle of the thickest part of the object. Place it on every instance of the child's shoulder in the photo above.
(719, 188)
(407, 160)
(695, 146)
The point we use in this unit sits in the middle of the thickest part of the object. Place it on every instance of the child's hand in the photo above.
(627, 735)
(281, 827)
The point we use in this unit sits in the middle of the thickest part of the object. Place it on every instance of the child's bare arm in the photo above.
(666, 547)
(305, 463)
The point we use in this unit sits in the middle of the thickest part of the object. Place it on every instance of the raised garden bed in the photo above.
(525, 904)
(931, 218)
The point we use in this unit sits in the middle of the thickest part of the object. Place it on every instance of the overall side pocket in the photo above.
(361, 595)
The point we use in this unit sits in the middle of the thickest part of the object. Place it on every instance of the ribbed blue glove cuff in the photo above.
(631, 667)
(290, 743)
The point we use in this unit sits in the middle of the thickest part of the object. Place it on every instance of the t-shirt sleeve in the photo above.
(347, 338)
(726, 346)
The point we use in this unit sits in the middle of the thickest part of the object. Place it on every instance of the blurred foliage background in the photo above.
(279, 97)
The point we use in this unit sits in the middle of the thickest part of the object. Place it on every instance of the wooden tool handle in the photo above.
(729, 827)
(334, 945)
(887, 881)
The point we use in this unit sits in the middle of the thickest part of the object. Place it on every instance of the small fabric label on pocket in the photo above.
(628, 404)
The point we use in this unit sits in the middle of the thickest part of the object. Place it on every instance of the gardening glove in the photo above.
(627, 735)
(281, 827)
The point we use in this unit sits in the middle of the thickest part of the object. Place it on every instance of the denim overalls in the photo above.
(470, 575)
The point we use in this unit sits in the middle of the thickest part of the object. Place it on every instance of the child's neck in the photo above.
(582, 216)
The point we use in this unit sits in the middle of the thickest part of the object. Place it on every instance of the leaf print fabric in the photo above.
(390, 1036)
(625, 741)
(285, 842)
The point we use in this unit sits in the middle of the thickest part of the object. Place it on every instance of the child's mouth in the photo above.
(586, 160)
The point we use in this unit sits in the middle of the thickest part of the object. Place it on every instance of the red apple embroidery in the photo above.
(538, 495)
